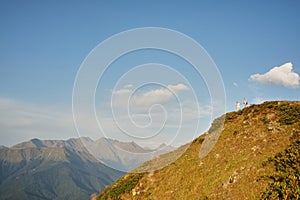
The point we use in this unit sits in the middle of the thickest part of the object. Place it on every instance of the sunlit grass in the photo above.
(235, 167)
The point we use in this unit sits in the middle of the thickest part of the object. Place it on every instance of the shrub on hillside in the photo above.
(124, 186)
(285, 183)
(289, 114)
(216, 125)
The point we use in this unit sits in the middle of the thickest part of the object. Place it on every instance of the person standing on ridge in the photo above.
(237, 105)
(245, 102)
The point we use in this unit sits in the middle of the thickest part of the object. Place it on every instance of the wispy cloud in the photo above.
(21, 121)
(155, 96)
(178, 87)
(282, 75)
(121, 91)
(158, 96)
(172, 108)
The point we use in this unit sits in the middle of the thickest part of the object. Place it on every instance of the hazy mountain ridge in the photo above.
(124, 156)
(36, 143)
(62, 169)
(238, 167)
(51, 170)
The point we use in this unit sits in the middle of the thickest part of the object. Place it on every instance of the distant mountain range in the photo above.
(123, 156)
(64, 169)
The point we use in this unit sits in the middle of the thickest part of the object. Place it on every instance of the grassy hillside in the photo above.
(256, 156)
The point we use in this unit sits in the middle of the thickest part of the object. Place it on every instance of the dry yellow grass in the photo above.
(233, 169)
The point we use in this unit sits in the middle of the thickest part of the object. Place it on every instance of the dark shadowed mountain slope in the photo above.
(51, 170)
(255, 157)
(65, 169)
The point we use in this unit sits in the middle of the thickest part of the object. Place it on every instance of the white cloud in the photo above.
(156, 96)
(21, 121)
(121, 91)
(144, 110)
(178, 87)
(159, 96)
(128, 86)
(282, 75)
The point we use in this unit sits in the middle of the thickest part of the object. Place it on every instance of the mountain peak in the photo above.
(38, 143)
(33, 143)
(41, 169)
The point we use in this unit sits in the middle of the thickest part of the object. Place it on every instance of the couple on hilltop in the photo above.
(238, 105)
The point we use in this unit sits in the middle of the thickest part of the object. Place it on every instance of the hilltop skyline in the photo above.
(254, 45)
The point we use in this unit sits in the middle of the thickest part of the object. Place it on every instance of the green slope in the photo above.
(240, 165)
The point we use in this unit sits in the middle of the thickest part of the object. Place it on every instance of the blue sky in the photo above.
(43, 43)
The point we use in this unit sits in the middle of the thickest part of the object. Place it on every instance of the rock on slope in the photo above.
(238, 167)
